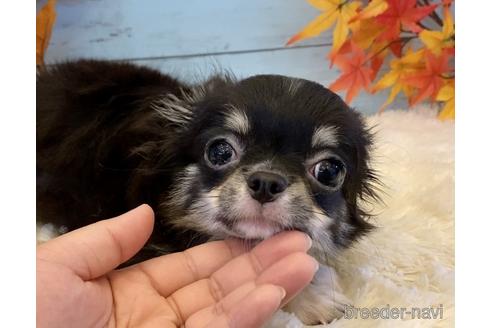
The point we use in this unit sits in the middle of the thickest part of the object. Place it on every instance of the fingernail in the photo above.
(310, 242)
(316, 265)
(282, 292)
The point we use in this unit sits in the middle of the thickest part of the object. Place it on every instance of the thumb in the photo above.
(98, 248)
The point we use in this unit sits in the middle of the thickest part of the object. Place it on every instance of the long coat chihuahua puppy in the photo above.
(225, 158)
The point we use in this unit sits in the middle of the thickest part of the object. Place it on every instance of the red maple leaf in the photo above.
(402, 14)
(356, 73)
(396, 47)
(429, 80)
(376, 63)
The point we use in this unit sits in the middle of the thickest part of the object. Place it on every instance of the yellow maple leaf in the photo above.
(339, 11)
(400, 67)
(374, 8)
(446, 94)
(365, 32)
(436, 41)
(44, 24)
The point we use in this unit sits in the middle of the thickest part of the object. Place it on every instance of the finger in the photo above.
(293, 272)
(200, 262)
(254, 310)
(248, 266)
(211, 312)
(98, 248)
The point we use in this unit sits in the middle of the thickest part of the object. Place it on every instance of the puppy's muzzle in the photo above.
(266, 186)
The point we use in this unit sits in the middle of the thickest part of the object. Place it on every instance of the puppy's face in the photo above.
(267, 154)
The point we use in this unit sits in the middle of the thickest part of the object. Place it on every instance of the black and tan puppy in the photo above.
(225, 158)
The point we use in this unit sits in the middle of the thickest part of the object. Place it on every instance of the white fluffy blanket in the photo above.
(409, 260)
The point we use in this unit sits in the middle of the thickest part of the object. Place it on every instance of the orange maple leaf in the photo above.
(44, 24)
(402, 14)
(356, 73)
(430, 79)
(376, 64)
(344, 49)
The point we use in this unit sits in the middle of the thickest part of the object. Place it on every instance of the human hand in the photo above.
(217, 284)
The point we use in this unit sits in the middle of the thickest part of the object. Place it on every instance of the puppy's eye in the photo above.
(329, 172)
(220, 152)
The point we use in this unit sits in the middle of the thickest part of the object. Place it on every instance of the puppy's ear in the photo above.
(177, 110)
(175, 113)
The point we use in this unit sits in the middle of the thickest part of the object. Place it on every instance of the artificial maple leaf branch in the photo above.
(375, 32)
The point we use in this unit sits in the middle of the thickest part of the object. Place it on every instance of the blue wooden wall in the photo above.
(193, 38)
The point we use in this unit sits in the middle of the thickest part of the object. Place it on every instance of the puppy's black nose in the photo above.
(266, 186)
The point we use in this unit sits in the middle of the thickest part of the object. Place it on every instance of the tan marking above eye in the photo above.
(236, 120)
(325, 136)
